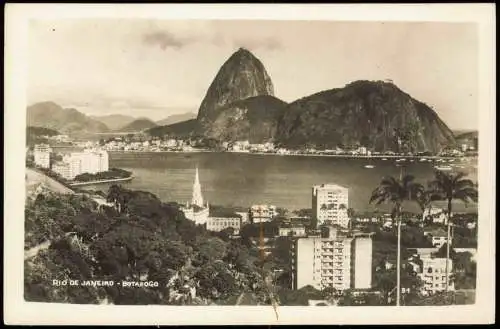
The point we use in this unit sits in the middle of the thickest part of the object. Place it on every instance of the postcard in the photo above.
(247, 164)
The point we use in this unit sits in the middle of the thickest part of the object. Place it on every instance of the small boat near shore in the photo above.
(369, 166)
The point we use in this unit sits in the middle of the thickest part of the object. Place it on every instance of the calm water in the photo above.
(245, 179)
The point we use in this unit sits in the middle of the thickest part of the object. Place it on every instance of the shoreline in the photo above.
(103, 181)
(348, 156)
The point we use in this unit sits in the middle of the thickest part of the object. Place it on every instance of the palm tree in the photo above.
(425, 199)
(392, 190)
(449, 187)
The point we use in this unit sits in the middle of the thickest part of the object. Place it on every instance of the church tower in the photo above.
(197, 197)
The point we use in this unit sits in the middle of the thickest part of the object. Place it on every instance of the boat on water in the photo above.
(369, 166)
(384, 159)
(423, 160)
(443, 168)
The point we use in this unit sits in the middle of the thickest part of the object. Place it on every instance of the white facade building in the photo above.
(42, 155)
(297, 231)
(88, 161)
(329, 203)
(335, 261)
(218, 224)
(433, 275)
(437, 215)
(262, 213)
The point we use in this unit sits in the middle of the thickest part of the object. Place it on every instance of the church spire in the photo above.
(197, 197)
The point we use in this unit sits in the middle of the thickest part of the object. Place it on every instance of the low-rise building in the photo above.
(432, 271)
(295, 231)
(438, 237)
(218, 224)
(435, 215)
(262, 213)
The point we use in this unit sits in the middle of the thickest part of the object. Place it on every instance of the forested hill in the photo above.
(140, 238)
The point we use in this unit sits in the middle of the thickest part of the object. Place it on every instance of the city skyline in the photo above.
(160, 74)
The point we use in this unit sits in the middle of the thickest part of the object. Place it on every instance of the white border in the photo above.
(19, 312)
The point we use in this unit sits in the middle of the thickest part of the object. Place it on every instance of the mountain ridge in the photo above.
(65, 120)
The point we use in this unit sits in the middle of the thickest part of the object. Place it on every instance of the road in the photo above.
(35, 177)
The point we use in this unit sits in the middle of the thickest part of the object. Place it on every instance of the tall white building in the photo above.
(89, 161)
(197, 211)
(335, 261)
(329, 204)
(42, 155)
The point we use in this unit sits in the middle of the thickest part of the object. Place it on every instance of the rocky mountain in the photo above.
(241, 76)
(366, 113)
(67, 121)
(240, 105)
(175, 118)
(114, 121)
(254, 119)
(138, 125)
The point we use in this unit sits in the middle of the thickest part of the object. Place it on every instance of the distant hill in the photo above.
(138, 125)
(180, 129)
(35, 135)
(40, 131)
(67, 121)
(114, 121)
(176, 118)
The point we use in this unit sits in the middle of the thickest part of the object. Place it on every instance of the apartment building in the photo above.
(329, 204)
(335, 260)
(42, 155)
(432, 270)
(88, 161)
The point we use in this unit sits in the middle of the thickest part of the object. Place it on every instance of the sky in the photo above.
(156, 68)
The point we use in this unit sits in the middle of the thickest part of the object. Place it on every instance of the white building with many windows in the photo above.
(334, 261)
(42, 155)
(329, 204)
(89, 161)
(432, 271)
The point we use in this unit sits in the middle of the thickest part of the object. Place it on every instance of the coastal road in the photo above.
(35, 177)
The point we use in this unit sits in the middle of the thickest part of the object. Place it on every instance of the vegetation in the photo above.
(37, 135)
(140, 238)
(113, 173)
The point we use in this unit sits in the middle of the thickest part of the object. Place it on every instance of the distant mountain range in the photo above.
(114, 121)
(138, 125)
(67, 121)
(240, 105)
(175, 118)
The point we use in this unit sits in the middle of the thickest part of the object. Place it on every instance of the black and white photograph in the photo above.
(253, 162)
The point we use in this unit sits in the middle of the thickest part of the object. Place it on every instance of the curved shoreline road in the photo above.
(34, 177)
